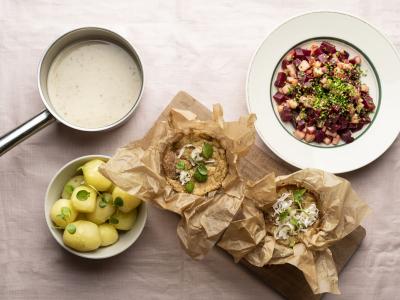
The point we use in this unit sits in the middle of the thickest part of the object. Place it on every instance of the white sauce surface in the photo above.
(93, 84)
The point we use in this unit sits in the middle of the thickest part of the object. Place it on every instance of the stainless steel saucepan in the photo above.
(49, 115)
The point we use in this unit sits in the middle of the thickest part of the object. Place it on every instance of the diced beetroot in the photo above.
(327, 48)
(298, 53)
(346, 137)
(279, 97)
(365, 120)
(368, 102)
(319, 136)
(353, 127)
(285, 62)
(306, 52)
(297, 62)
(343, 55)
(343, 123)
(323, 58)
(356, 60)
(335, 127)
(300, 124)
(286, 114)
(317, 52)
(280, 79)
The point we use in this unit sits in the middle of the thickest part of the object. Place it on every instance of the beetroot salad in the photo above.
(321, 94)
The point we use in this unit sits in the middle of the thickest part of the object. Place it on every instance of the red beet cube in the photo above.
(343, 55)
(298, 53)
(279, 97)
(317, 52)
(327, 48)
(346, 137)
(286, 114)
(319, 136)
(280, 79)
(306, 52)
(285, 62)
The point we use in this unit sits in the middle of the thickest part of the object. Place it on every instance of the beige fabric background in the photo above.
(203, 47)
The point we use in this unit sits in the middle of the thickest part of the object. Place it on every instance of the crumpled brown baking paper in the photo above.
(341, 212)
(137, 169)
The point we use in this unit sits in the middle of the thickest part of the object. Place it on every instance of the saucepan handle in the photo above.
(22, 132)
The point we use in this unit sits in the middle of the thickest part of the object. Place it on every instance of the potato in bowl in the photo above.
(86, 221)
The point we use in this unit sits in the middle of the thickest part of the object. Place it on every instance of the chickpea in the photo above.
(292, 70)
(364, 88)
(292, 103)
(309, 137)
(286, 89)
(299, 134)
(327, 140)
(336, 140)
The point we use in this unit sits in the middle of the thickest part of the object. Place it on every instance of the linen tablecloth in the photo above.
(203, 47)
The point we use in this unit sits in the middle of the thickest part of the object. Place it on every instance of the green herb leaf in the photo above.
(283, 215)
(199, 177)
(202, 169)
(68, 189)
(181, 165)
(65, 213)
(71, 228)
(298, 196)
(189, 186)
(118, 202)
(207, 150)
(114, 220)
(102, 204)
(294, 222)
(82, 195)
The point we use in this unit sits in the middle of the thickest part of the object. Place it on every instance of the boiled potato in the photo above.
(104, 209)
(124, 201)
(123, 221)
(62, 213)
(108, 234)
(82, 236)
(93, 177)
(84, 199)
(69, 187)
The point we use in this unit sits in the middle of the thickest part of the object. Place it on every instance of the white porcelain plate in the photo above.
(381, 63)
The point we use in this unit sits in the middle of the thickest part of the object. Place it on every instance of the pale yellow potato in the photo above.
(108, 234)
(71, 185)
(103, 211)
(82, 236)
(93, 177)
(84, 199)
(126, 202)
(123, 221)
(62, 213)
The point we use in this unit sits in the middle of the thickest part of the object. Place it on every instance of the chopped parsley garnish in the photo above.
(82, 195)
(118, 202)
(71, 228)
(64, 213)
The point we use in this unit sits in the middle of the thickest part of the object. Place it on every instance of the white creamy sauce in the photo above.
(93, 84)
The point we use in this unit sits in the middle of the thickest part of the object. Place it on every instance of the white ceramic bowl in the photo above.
(379, 58)
(126, 239)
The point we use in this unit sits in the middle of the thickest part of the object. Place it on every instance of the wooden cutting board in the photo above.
(285, 279)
